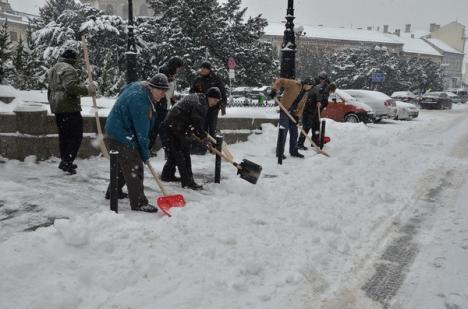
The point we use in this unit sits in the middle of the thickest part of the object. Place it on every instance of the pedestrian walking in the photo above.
(185, 119)
(64, 96)
(127, 131)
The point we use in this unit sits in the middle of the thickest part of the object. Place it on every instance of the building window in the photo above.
(13, 36)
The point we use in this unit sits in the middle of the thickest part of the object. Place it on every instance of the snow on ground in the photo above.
(306, 236)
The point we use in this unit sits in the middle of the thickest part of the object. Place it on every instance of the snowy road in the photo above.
(381, 224)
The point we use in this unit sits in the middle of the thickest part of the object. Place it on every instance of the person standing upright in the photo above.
(170, 69)
(293, 99)
(63, 94)
(206, 80)
(317, 99)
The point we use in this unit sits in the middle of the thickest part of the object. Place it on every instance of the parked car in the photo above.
(405, 96)
(435, 100)
(406, 111)
(344, 108)
(455, 98)
(240, 97)
(462, 93)
(383, 105)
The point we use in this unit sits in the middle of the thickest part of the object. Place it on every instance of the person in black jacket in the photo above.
(185, 118)
(318, 99)
(170, 69)
(201, 84)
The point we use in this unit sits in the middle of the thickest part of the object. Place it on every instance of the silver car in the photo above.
(383, 105)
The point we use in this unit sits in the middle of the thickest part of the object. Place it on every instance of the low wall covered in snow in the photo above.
(31, 131)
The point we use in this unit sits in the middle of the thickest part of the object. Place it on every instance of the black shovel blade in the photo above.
(249, 171)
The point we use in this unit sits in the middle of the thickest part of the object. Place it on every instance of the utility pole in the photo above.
(288, 48)
(131, 53)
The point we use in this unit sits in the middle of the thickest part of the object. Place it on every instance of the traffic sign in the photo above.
(232, 63)
(232, 73)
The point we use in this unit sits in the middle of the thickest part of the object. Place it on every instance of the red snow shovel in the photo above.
(166, 202)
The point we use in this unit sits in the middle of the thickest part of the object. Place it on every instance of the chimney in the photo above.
(385, 28)
(397, 32)
(408, 28)
(369, 28)
(434, 27)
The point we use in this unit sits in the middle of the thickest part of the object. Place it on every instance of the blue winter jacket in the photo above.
(132, 118)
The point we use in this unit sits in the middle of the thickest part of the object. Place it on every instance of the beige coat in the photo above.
(292, 88)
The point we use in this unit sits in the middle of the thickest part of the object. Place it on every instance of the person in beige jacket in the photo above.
(294, 97)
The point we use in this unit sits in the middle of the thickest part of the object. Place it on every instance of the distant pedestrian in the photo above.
(184, 119)
(127, 131)
(293, 99)
(208, 79)
(63, 94)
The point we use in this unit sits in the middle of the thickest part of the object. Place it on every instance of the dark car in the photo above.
(435, 100)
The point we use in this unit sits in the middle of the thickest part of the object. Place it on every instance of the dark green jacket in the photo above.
(65, 88)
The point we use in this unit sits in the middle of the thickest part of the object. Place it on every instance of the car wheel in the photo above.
(353, 118)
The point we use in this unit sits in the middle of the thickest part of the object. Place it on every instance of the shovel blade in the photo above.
(249, 171)
(167, 202)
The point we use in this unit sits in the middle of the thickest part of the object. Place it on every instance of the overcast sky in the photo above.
(346, 13)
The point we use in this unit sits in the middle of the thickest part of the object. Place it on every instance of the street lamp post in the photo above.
(131, 53)
(288, 48)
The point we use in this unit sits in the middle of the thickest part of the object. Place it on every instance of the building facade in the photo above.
(120, 7)
(17, 21)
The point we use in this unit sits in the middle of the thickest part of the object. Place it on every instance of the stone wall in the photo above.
(25, 134)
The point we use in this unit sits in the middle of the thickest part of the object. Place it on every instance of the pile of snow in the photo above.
(294, 240)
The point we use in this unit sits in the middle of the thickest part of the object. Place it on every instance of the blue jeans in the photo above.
(287, 123)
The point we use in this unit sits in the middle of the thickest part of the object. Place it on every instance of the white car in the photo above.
(406, 111)
(383, 105)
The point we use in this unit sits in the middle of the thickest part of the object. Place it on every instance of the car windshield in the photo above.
(432, 95)
(344, 96)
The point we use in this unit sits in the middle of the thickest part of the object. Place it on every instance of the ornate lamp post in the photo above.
(131, 54)
(288, 48)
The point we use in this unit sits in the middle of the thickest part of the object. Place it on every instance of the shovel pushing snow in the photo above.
(166, 202)
(246, 170)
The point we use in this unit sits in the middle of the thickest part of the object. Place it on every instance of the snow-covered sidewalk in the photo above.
(302, 237)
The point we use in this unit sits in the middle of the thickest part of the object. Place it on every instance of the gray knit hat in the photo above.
(159, 81)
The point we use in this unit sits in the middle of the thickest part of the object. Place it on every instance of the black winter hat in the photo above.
(206, 65)
(308, 81)
(323, 75)
(213, 92)
(159, 81)
(69, 53)
(176, 62)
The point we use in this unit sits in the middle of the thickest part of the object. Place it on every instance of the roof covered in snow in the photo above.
(330, 33)
(417, 46)
(443, 46)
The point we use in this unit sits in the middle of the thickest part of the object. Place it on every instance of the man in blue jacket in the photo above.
(127, 131)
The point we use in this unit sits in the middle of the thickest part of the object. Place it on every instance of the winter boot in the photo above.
(146, 208)
(297, 155)
(301, 147)
(170, 178)
(121, 195)
(193, 185)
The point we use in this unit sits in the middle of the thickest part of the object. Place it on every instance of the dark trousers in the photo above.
(287, 123)
(178, 155)
(130, 172)
(70, 131)
(311, 122)
(211, 120)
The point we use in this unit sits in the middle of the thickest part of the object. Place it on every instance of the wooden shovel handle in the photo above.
(156, 178)
(225, 149)
(316, 148)
(216, 151)
(96, 114)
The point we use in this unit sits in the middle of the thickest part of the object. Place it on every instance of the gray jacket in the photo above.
(65, 88)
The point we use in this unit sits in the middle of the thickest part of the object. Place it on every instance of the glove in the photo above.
(272, 93)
